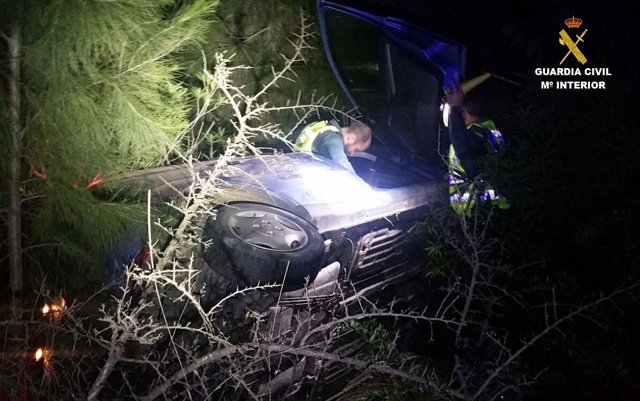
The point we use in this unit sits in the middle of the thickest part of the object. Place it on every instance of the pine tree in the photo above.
(100, 95)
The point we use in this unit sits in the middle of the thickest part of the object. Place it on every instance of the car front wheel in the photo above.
(262, 244)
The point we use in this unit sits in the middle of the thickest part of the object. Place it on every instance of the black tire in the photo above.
(232, 256)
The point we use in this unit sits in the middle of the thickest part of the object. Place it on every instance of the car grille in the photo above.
(378, 253)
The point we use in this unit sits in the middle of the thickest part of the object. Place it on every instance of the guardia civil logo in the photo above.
(572, 76)
(565, 40)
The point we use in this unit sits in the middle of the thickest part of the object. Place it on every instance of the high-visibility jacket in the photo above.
(304, 142)
(465, 190)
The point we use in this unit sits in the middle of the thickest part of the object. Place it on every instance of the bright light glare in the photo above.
(39, 354)
(445, 114)
(45, 309)
(338, 186)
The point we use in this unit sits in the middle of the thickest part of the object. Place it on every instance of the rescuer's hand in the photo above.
(454, 95)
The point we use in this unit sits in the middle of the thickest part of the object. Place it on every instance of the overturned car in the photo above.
(320, 232)
(306, 223)
(312, 238)
(298, 219)
(310, 225)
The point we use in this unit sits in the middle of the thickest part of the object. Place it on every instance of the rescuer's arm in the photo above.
(463, 141)
(330, 145)
(467, 145)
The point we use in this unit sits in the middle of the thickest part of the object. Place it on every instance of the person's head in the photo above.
(357, 137)
(473, 112)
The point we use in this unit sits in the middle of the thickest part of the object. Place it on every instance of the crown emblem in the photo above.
(573, 22)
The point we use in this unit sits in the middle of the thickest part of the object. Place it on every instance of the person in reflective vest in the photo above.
(472, 135)
(327, 138)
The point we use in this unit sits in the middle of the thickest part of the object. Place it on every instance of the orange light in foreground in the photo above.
(39, 354)
(55, 310)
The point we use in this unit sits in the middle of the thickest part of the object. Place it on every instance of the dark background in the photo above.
(570, 170)
(512, 38)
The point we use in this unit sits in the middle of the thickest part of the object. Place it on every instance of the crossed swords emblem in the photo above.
(566, 40)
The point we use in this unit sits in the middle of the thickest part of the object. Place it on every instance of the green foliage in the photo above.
(101, 96)
(376, 339)
(438, 262)
(107, 98)
(379, 346)
(75, 241)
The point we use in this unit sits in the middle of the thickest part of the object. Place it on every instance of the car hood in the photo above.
(314, 188)
(332, 197)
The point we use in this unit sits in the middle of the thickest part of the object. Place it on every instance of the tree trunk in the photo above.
(14, 220)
